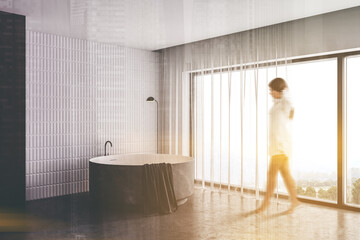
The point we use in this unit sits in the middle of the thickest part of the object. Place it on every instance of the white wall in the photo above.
(78, 95)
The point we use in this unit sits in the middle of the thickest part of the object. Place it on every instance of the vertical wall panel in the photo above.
(79, 95)
(12, 110)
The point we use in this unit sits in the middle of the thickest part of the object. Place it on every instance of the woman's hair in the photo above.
(278, 84)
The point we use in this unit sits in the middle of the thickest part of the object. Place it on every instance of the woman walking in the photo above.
(280, 116)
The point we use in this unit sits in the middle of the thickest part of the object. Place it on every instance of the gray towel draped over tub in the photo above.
(158, 189)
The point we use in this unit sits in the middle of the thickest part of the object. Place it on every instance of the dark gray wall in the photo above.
(12, 110)
(330, 32)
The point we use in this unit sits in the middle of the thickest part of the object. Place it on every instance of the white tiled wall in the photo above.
(78, 95)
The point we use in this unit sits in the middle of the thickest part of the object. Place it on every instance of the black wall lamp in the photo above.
(152, 99)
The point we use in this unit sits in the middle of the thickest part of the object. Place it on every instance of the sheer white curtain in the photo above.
(214, 104)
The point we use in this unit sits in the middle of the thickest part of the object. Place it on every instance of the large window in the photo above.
(352, 133)
(314, 90)
(232, 126)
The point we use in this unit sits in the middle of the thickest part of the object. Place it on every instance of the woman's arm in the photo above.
(288, 109)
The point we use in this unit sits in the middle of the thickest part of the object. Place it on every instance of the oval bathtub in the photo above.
(117, 179)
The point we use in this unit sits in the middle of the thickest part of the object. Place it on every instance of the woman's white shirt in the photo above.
(279, 127)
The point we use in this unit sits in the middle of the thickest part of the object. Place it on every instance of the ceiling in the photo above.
(157, 24)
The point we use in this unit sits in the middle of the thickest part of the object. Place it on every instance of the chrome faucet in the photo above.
(105, 146)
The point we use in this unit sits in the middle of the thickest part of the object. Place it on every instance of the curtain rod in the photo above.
(280, 61)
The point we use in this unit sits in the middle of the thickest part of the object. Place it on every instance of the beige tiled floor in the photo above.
(206, 215)
(213, 215)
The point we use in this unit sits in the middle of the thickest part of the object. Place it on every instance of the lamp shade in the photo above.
(150, 99)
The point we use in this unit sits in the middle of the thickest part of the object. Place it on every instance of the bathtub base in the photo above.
(121, 186)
